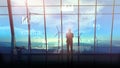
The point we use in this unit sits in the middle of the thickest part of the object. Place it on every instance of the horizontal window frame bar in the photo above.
(70, 14)
(57, 5)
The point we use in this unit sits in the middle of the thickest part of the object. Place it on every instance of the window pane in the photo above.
(70, 21)
(116, 50)
(5, 35)
(52, 2)
(53, 27)
(117, 10)
(105, 2)
(23, 2)
(104, 23)
(87, 9)
(35, 2)
(68, 6)
(87, 33)
(117, 2)
(69, 2)
(18, 2)
(87, 2)
(18, 10)
(3, 2)
(104, 9)
(69, 10)
(36, 10)
(3, 10)
(37, 34)
(21, 31)
(52, 10)
(102, 50)
(116, 34)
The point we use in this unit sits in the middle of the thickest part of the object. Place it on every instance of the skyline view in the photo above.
(102, 14)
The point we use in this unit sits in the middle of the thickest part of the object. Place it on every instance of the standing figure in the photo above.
(69, 41)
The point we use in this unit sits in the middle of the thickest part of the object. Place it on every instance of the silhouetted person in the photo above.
(69, 41)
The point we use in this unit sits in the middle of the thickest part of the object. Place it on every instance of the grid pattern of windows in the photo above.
(93, 22)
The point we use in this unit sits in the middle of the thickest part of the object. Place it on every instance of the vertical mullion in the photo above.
(11, 27)
(61, 27)
(45, 26)
(112, 26)
(95, 26)
(28, 21)
(78, 29)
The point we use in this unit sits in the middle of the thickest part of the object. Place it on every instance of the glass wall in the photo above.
(94, 17)
(5, 33)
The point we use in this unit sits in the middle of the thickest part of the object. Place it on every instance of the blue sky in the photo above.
(69, 21)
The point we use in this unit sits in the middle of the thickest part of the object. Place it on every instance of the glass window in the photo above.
(102, 50)
(23, 2)
(53, 25)
(18, 10)
(5, 35)
(35, 2)
(117, 10)
(70, 21)
(117, 2)
(104, 9)
(87, 33)
(52, 2)
(69, 2)
(103, 33)
(53, 33)
(116, 35)
(18, 2)
(36, 10)
(69, 9)
(116, 27)
(3, 2)
(37, 33)
(21, 31)
(52, 10)
(87, 9)
(4, 26)
(3, 10)
(87, 2)
(105, 2)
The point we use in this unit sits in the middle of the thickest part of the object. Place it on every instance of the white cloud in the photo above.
(86, 21)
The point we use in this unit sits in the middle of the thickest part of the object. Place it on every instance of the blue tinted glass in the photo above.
(5, 35)
(104, 23)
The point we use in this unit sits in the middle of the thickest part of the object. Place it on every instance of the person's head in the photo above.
(69, 30)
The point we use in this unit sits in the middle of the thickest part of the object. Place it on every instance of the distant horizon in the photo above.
(92, 23)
